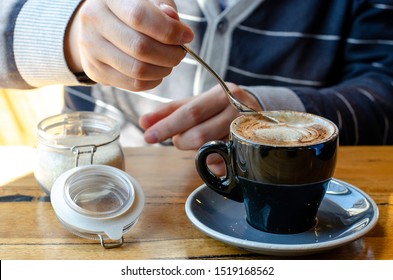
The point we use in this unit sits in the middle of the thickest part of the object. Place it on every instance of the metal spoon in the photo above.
(242, 108)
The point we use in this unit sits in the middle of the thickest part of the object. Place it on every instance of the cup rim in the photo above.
(332, 137)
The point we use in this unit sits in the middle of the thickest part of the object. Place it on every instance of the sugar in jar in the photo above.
(74, 139)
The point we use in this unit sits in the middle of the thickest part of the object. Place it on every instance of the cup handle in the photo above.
(225, 185)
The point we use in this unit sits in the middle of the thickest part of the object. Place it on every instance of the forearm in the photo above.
(362, 108)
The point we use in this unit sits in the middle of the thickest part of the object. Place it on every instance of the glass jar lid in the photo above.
(97, 193)
(97, 202)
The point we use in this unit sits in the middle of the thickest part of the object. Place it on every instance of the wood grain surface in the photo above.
(29, 228)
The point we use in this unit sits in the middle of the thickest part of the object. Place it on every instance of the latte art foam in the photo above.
(293, 129)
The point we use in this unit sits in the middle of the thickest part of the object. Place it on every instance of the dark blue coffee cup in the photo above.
(281, 187)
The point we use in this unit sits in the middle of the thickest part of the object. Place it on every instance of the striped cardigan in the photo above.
(329, 57)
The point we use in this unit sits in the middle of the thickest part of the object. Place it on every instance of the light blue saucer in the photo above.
(346, 214)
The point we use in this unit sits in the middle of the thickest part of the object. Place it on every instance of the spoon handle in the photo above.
(239, 106)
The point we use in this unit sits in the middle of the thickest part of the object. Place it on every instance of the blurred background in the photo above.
(21, 110)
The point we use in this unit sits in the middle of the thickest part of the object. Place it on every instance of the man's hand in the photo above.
(131, 44)
(194, 121)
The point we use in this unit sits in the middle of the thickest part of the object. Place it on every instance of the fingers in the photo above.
(138, 45)
(194, 121)
(106, 53)
(100, 23)
(191, 123)
(215, 128)
(113, 76)
(218, 169)
(131, 44)
(147, 18)
(186, 116)
(148, 120)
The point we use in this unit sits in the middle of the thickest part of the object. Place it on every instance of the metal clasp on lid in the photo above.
(115, 244)
(83, 149)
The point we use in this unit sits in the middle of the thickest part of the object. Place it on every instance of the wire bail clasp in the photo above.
(83, 149)
(115, 244)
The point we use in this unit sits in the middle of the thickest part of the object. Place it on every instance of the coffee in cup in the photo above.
(280, 171)
(292, 129)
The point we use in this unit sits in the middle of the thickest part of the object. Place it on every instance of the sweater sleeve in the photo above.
(360, 102)
(9, 74)
(36, 32)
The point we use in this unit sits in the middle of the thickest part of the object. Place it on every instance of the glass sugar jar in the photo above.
(75, 139)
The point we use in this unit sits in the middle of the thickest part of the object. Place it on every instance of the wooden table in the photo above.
(30, 230)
